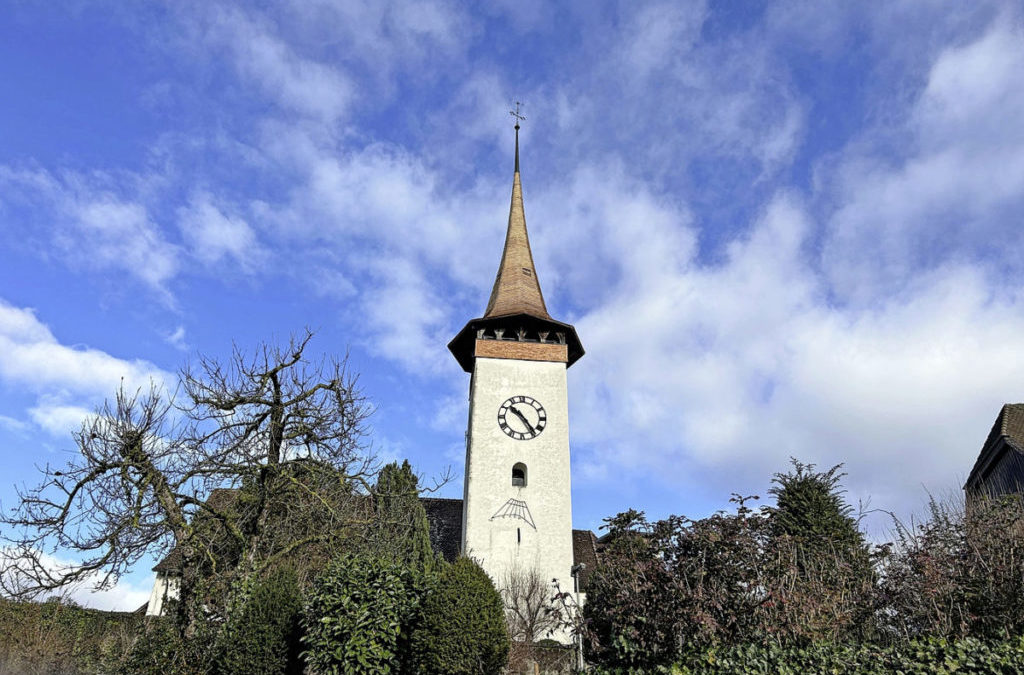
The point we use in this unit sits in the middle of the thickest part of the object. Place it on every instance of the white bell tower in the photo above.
(517, 508)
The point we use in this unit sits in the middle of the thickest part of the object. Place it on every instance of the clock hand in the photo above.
(522, 417)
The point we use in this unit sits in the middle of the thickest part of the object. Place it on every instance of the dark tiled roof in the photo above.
(584, 550)
(445, 518)
(1007, 431)
(171, 562)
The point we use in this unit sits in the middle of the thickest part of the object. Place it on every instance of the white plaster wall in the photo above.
(490, 455)
(164, 588)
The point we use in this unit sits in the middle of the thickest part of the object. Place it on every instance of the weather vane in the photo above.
(515, 113)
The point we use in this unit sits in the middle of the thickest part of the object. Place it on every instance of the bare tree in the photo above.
(252, 460)
(528, 610)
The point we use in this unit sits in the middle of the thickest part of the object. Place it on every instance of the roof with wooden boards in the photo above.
(1007, 435)
(516, 287)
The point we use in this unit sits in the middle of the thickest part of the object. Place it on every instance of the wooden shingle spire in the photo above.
(516, 324)
(516, 287)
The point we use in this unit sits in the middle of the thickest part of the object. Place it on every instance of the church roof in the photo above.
(1008, 428)
(516, 287)
(444, 518)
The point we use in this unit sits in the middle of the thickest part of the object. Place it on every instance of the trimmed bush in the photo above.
(917, 657)
(261, 635)
(357, 616)
(461, 628)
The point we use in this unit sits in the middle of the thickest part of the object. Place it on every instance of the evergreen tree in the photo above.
(810, 508)
(401, 526)
(461, 626)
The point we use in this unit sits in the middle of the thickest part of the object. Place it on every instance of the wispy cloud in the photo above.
(68, 381)
(92, 225)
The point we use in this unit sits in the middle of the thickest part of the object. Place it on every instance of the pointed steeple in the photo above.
(516, 324)
(516, 287)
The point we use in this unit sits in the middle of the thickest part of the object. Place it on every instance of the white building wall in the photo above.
(502, 544)
(164, 588)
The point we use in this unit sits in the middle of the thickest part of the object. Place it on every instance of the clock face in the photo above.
(522, 418)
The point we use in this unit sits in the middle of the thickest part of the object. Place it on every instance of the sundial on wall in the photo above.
(515, 508)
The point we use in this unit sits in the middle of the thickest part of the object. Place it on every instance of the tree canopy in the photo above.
(279, 436)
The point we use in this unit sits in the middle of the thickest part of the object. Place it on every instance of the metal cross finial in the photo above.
(515, 113)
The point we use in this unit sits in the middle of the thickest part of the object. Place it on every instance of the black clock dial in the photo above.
(522, 418)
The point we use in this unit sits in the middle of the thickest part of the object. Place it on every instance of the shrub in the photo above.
(261, 634)
(960, 572)
(917, 657)
(461, 628)
(400, 528)
(357, 615)
(159, 649)
(59, 637)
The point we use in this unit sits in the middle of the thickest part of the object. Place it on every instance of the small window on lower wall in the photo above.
(519, 475)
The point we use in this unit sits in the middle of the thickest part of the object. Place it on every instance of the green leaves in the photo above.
(261, 634)
(367, 615)
(932, 656)
(355, 616)
(461, 629)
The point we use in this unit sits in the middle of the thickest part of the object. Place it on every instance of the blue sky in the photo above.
(781, 229)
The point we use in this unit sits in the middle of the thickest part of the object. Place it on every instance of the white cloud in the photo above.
(658, 34)
(126, 595)
(95, 228)
(12, 424)
(958, 174)
(56, 418)
(67, 380)
(115, 233)
(724, 370)
(259, 54)
(176, 338)
(214, 235)
(31, 357)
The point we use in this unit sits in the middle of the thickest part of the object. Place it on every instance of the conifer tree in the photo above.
(403, 532)
(810, 508)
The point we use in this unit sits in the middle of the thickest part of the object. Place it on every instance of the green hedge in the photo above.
(53, 637)
(357, 616)
(261, 635)
(461, 628)
(933, 656)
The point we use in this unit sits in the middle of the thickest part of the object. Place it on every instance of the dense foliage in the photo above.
(930, 656)
(960, 573)
(800, 576)
(56, 637)
(400, 529)
(160, 649)
(789, 588)
(261, 634)
(461, 628)
(357, 616)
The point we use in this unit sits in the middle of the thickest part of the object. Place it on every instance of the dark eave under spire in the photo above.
(516, 311)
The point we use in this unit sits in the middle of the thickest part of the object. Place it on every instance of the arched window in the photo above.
(519, 475)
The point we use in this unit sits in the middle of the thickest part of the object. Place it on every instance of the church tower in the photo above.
(517, 511)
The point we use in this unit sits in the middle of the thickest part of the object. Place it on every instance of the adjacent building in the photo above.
(999, 469)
